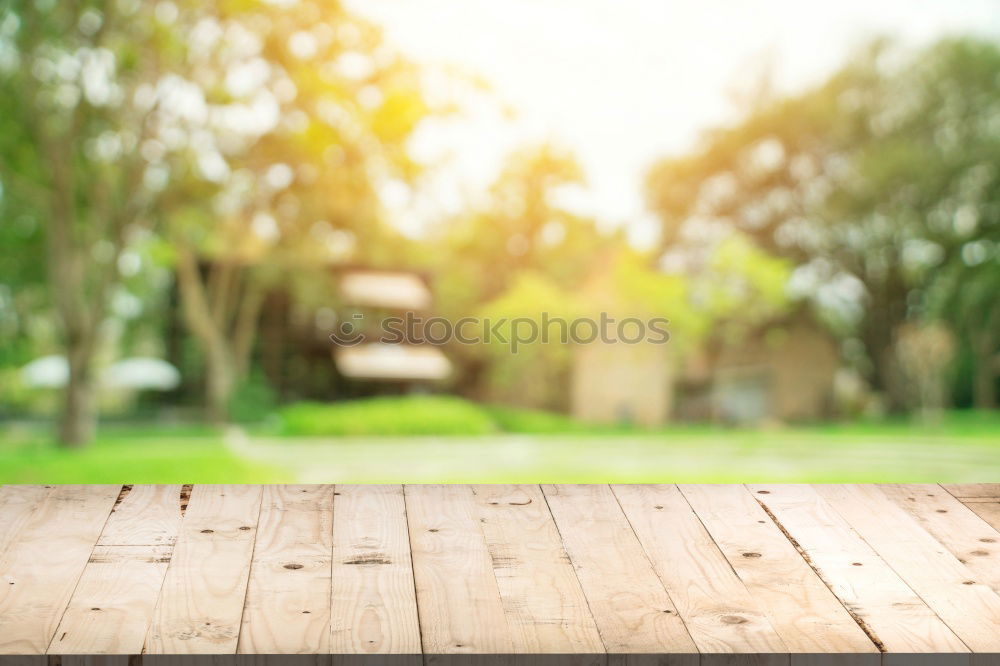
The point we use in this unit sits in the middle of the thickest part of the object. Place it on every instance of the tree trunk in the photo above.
(79, 415)
(984, 387)
(886, 373)
(207, 315)
(883, 318)
(219, 381)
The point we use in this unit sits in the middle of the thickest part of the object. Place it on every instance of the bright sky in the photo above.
(622, 82)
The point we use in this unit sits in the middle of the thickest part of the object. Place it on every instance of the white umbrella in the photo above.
(46, 372)
(141, 373)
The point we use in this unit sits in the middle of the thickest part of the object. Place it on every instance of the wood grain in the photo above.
(113, 604)
(980, 491)
(545, 606)
(947, 586)
(287, 608)
(457, 595)
(632, 609)
(989, 512)
(514, 575)
(147, 515)
(958, 528)
(17, 504)
(374, 598)
(201, 604)
(718, 610)
(801, 608)
(39, 571)
(894, 614)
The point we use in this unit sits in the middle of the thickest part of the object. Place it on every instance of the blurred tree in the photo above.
(881, 185)
(21, 276)
(924, 353)
(528, 362)
(710, 294)
(520, 237)
(522, 254)
(964, 293)
(76, 121)
(314, 117)
(520, 226)
(257, 133)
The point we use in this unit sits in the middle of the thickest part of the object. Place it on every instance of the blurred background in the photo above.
(195, 195)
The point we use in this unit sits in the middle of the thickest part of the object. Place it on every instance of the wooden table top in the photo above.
(776, 571)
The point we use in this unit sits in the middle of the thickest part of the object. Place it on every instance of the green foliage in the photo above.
(741, 274)
(413, 415)
(529, 361)
(519, 229)
(253, 400)
(635, 288)
(428, 415)
(532, 421)
(529, 295)
(518, 254)
(245, 133)
(747, 275)
(879, 186)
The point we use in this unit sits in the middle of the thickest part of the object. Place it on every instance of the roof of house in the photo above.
(392, 362)
(386, 289)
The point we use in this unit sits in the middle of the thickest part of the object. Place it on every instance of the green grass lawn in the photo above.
(425, 415)
(153, 454)
(520, 448)
(692, 456)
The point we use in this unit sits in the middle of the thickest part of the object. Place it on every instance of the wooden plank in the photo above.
(989, 512)
(716, 607)
(17, 504)
(39, 571)
(801, 608)
(892, 613)
(111, 609)
(374, 598)
(287, 608)
(511, 575)
(632, 609)
(457, 595)
(988, 491)
(147, 515)
(973, 541)
(201, 603)
(969, 607)
(545, 606)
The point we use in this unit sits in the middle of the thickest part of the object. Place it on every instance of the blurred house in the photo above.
(380, 294)
(622, 383)
(617, 382)
(394, 290)
(783, 371)
(302, 361)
